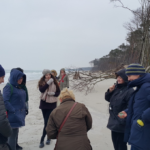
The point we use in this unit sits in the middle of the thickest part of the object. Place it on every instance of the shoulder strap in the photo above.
(65, 121)
(11, 90)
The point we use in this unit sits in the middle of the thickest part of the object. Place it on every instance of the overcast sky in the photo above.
(38, 34)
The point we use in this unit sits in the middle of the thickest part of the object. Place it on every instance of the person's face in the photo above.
(133, 77)
(62, 73)
(47, 76)
(2, 79)
(60, 100)
(53, 74)
(120, 80)
(20, 80)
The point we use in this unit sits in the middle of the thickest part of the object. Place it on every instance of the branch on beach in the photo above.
(84, 81)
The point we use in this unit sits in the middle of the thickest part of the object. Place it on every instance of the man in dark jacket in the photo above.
(5, 129)
(137, 132)
(118, 96)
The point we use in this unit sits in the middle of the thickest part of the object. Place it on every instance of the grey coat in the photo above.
(5, 129)
(64, 84)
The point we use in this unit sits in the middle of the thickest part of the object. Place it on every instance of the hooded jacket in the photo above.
(5, 128)
(15, 103)
(139, 108)
(118, 101)
(73, 135)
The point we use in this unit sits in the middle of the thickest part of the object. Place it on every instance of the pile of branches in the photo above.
(85, 81)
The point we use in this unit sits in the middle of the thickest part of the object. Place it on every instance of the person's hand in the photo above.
(111, 88)
(51, 93)
(122, 115)
(50, 81)
(27, 112)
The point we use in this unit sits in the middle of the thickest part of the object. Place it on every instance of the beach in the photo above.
(99, 135)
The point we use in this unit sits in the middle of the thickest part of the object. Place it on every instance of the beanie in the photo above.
(135, 69)
(2, 71)
(46, 71)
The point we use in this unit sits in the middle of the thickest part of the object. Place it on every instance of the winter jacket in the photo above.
(15, 103)
(118, 101)
(65, 83)
(5, 128)
(45, 105)
(139, 108)
(73, 135)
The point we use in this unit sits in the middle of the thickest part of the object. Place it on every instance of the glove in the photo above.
(27, 112)
(50, 81)
(51, 93)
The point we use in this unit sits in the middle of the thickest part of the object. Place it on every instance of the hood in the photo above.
(24, 77)
(15, 75)
(122, 74)
(138, 82)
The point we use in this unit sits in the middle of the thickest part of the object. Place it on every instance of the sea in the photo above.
(30, 74)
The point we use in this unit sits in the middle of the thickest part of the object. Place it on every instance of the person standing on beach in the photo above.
(23, 86)
(49, 89)
(137, 132)
(118, 96)
(54, 73)
(5, 128)
(73, 135)
(15, 103)
(63, 79)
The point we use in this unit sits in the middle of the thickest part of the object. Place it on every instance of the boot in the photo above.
(48, 142)
(18, 147)
(41, 145)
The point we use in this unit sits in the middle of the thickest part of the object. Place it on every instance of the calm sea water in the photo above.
(31, 75)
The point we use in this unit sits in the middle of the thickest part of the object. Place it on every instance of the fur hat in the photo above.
(54, 71)
(46, 71)
(66, 94)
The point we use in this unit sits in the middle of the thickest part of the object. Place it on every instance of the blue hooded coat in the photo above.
(16, 103)
(139, 108)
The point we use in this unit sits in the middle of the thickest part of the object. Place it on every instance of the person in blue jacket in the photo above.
(137, 132)
(15, 103)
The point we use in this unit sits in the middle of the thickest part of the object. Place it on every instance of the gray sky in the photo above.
(38, 34)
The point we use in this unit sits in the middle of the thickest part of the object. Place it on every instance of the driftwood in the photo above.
(84, 81)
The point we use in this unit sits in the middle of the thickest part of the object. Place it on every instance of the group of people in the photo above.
(129, 108)
(69, 121)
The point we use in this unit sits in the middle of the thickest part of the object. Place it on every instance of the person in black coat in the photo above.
(118, 96)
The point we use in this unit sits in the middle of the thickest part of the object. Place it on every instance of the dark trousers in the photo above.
(12, 140)
(118, 141)
(46, 113)
(133, 148)
(4, 147)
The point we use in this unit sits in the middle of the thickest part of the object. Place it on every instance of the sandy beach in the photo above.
(100, 136)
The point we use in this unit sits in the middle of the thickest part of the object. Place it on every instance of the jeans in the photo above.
(46, 113)
(118, 141)
(12, 140)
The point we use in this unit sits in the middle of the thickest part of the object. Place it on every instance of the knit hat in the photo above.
(135, 69)
(46, 71)
(2, 71)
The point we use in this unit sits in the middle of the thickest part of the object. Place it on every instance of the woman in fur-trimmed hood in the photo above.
(73, 135)
(63, 79)
(49, 88)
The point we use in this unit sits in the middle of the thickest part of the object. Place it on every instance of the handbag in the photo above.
(65, 122)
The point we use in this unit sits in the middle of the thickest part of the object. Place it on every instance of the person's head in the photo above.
(62, 72)
(24, 77)
(2, 74)
(66, 94)
(46, 76)
(54, 73)
(135, 71)
(121, 77)
(16, 77)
